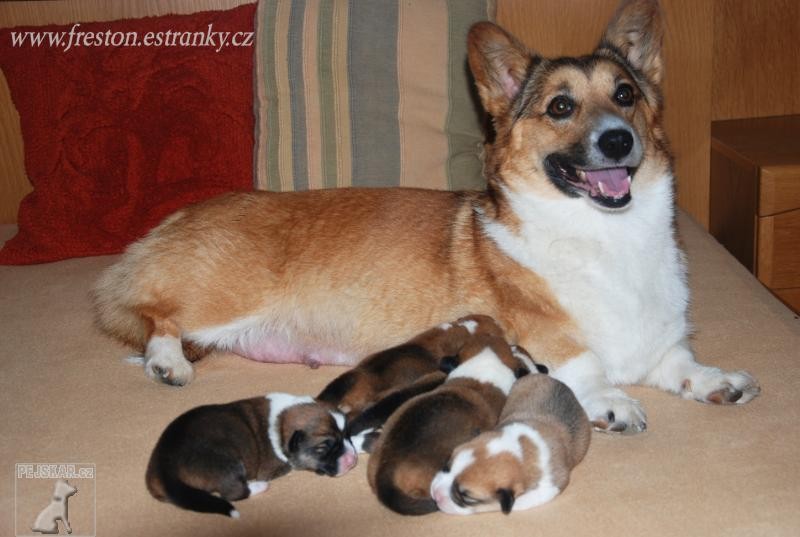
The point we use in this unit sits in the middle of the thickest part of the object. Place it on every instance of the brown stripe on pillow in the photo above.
(312, 94)
(423, 143)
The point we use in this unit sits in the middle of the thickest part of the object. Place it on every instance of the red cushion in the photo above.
(116, 138)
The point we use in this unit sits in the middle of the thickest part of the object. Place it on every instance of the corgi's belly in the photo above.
(251, 338)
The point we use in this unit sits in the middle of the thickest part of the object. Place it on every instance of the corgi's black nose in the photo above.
(616, 143)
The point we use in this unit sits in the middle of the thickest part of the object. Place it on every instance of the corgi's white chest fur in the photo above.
(620, 276)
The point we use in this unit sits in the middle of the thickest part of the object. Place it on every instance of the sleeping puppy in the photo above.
(404, 364)
(215, 454)
(419, 437)
(364, 428)
(526, 461)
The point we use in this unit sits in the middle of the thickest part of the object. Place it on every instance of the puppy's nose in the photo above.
(616, 143)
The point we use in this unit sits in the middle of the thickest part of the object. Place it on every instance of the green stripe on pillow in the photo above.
(374, 96)
(366, 93)
(464, 149)
(327, 93)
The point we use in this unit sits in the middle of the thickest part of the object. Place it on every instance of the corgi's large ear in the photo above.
(499, 64)
(636, 32)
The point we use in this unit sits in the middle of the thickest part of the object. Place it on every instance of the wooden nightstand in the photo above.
(755, 198)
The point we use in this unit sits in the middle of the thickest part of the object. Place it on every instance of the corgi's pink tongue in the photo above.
(610, 183)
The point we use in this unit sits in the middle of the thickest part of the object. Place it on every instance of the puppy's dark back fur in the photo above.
(212, 446)
(424, 431)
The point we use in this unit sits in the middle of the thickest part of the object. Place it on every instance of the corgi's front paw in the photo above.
(612, 411)
(712, 385)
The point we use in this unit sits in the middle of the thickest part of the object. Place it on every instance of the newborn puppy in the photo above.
(418, 438)
(526, 461)
(215, 454)
(403, 365)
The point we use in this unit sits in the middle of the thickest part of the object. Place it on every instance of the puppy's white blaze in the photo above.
(508, 442)
(445, 326)
(470, 325)
(486, 367)
(278, 402)
(443, 482)
(339, 418)
(546, 490)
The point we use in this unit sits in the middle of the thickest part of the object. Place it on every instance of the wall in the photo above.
(725, 59)
(756, 58)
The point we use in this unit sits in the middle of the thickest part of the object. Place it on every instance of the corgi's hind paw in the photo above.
(169, 371)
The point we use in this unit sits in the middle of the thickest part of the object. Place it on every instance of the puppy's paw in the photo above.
(612, 411)
(712, 385)
(364, 442)
(176, 371)
(257, 487)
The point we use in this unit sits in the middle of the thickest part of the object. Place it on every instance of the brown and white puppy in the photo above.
(215, 454)
(570, 248)
(526, 461)
(419, 437)
(400, 366)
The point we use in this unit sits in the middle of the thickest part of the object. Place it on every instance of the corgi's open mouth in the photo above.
(610, 188)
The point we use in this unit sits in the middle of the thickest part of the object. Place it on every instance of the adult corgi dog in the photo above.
(570, 248)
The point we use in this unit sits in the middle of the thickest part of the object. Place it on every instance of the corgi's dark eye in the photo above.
(560, 107)
(624, 95)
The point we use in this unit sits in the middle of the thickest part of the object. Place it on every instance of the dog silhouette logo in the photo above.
(47, 521)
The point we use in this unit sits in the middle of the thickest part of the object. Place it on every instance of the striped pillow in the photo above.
(367, 93)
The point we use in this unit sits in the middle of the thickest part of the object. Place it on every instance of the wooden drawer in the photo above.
(755, 198)
(779, 189)
(779, 250)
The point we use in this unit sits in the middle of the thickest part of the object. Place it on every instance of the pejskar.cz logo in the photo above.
(55, 498)
(76, 38)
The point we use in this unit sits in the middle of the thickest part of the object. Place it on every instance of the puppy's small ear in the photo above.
(521, 372)
(297, 438)
(499, 64)
(636, 32)
(506, 497)
(448, 363)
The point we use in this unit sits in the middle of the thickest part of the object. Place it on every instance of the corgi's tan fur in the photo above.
(571, 247)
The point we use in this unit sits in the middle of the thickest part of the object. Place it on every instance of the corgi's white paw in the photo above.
(176, 371)
(612, 411)
(712, 385)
